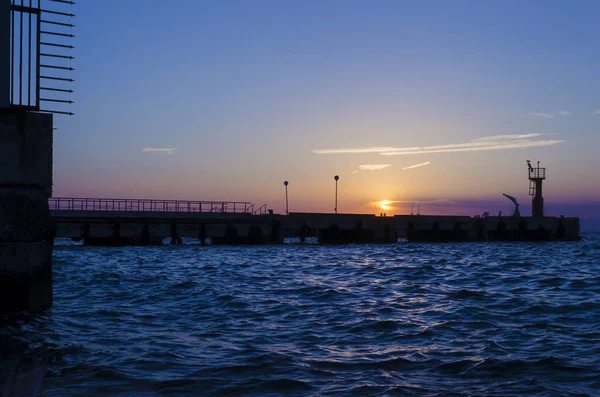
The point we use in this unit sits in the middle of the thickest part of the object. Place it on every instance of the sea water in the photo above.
(400, 319)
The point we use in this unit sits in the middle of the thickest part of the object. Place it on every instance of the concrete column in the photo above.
(538, 200)
(4, 53)
(25, 224)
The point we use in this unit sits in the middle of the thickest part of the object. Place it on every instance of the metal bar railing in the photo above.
(262, 210)
(149, 205)
(27, 37)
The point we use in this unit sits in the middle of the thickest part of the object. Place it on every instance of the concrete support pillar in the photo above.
(231, 236)
(175, 239)
(276, 234)
(202, 235)
(26, 231)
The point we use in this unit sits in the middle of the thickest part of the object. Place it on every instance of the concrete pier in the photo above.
(144, 228)
(26, 230)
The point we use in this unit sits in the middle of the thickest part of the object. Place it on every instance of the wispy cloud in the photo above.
(410, 167)
(168, 150)
(597, 112)
(497, 142)
(371, 167)
(471, 147)
(539, 115)
(564, 113)
(355, 150)
(509, 137)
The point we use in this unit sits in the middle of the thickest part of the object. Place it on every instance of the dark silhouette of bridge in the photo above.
(152, 205)
(107, 221)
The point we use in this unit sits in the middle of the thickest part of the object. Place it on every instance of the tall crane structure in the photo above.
(516, 213)
(536, 176)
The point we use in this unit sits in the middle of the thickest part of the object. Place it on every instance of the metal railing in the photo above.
(148, 205)
(262, 210)
(39, 53)
(537, 173)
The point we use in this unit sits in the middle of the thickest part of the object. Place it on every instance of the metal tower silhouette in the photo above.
(536, 176)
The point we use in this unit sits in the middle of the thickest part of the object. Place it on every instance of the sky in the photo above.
(429, 105)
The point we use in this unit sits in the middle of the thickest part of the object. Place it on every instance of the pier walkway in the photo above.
(148, 222)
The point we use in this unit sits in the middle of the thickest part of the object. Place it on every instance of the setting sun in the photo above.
(385, 204)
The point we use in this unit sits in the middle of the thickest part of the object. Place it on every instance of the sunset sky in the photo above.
(432, 102)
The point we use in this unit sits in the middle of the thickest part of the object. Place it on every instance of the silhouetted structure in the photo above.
(287, 209)
(516, 212)
(39, 56)
(536, 176)
(336, 178)
(141, 222)
(29, 53)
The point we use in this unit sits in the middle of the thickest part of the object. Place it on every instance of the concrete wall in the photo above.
(4, 52)
(26, 150)
(25, 223)
(128, 228)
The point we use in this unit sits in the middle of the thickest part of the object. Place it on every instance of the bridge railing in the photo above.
(147, 205)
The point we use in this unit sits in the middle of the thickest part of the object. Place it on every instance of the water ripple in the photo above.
(407, 319)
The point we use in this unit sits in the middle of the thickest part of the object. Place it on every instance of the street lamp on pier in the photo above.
(286, 198)
(337, 178)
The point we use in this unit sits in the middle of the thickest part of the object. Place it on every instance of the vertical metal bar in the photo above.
(37, 55)
(21, 56)
(12, 56)
(5, 66)
(29, 61)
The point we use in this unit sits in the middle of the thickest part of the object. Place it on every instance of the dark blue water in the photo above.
(407, 319)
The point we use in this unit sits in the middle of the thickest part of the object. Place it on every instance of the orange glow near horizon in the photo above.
(385, 205)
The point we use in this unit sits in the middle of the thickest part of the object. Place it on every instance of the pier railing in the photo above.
(148, 205)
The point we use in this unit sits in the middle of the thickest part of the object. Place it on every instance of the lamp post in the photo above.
(286, 198)
(337, 178)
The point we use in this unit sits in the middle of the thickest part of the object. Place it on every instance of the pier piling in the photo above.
(26, 230)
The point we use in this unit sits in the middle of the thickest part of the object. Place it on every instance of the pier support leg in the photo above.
(303, 232)
(175, 239)
(231, 236)
(25, 227)
(202, 236)
(276, 235)
(255, 235)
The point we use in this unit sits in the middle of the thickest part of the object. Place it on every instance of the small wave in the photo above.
(391, 364)
(457, 367)
(328, 294)
(467, 294)
(553, 281)
(225, 298)
(237, 304)
(384, 325)
(578, 284)
(517, 264)
(185, 285)
(504, 368)
(544, 308)
(264, 387)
